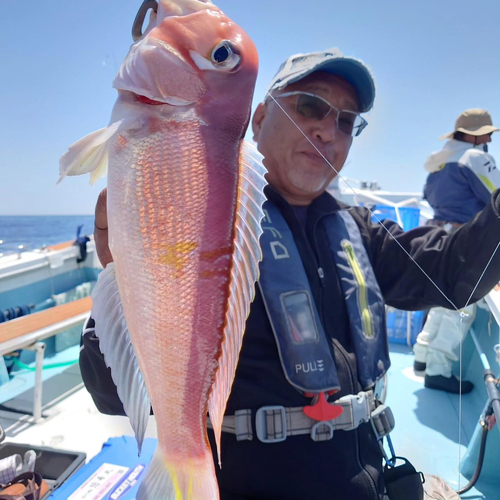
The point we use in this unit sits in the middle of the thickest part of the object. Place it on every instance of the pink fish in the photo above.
(184, 211)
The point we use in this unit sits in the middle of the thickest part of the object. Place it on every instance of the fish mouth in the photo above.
(167, 100)
(145, 100)
(142, 97)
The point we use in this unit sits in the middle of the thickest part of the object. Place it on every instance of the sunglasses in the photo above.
(314, 107)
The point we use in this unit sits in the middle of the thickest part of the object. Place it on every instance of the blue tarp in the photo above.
(410, 216)
(120, 472)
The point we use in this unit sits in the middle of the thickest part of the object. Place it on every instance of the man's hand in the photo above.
(101, 229)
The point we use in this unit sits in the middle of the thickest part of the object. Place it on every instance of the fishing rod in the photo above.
(492, 409)
(489, 379)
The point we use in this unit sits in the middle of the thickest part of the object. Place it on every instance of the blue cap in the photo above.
(331, 61)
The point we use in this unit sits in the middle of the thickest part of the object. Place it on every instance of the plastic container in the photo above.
(55, 466)
(397, 320)
(397, 325)
(410, 216)
(114, 473)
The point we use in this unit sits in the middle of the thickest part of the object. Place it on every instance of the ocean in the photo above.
(34, 231)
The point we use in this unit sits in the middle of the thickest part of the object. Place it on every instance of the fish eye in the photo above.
(225, 56)
(222, 54)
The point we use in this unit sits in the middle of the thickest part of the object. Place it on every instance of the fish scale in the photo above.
(183, 184)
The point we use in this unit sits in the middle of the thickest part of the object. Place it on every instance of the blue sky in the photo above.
(431, 59)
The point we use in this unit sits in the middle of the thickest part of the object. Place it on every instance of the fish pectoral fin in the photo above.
(190, 480)
(89, 154)
(116, 346)
(244, 274)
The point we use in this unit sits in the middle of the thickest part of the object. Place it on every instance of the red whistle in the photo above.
(322, 410)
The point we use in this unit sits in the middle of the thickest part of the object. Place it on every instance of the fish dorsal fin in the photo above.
(89, 154)
(244, 274)
(116, 346)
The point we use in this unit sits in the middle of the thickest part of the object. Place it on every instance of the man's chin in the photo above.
(309, 183)
(311, 188)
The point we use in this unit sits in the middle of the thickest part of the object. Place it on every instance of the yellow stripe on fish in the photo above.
(176, 254)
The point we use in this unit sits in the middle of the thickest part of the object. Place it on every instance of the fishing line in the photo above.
(419, 267)
(371, 212)
(460, 399)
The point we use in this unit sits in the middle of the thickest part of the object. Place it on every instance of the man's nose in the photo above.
(326, 130)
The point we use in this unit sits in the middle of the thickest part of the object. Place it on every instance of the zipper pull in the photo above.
(321, 275)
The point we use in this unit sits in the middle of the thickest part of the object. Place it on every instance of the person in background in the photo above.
(462, 177)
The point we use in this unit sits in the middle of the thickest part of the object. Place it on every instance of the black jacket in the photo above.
(349, 466)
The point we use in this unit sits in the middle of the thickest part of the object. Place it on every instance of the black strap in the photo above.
(32, 483)
(403, 482)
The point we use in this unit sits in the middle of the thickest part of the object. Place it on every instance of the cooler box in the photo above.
(397, 325)
(410, 216)
(55, 466)
(114, 474)
(402, 326)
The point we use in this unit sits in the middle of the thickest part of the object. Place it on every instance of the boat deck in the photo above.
(70, 419)
(427, 423)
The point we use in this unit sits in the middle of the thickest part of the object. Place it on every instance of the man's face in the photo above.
(296, 169)
(484, 139)
(477, 139)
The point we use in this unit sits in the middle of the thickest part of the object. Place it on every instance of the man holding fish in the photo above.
(301, 420)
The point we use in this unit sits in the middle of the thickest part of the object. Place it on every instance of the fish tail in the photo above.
(193, 480)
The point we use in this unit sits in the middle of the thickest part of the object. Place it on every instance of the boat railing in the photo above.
(493, 301)
(28, 332)
(6, 251)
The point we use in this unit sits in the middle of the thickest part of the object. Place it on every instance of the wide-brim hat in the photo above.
(473, 122)
(331, 61)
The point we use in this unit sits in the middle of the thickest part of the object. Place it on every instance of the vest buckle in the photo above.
(382, 421)
(322, 431)
(270, 424)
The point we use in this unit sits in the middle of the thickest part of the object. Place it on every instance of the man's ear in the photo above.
(257, 119)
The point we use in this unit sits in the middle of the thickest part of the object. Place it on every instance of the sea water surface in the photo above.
(34, 231)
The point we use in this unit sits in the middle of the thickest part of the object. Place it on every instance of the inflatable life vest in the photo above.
(304, 348)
